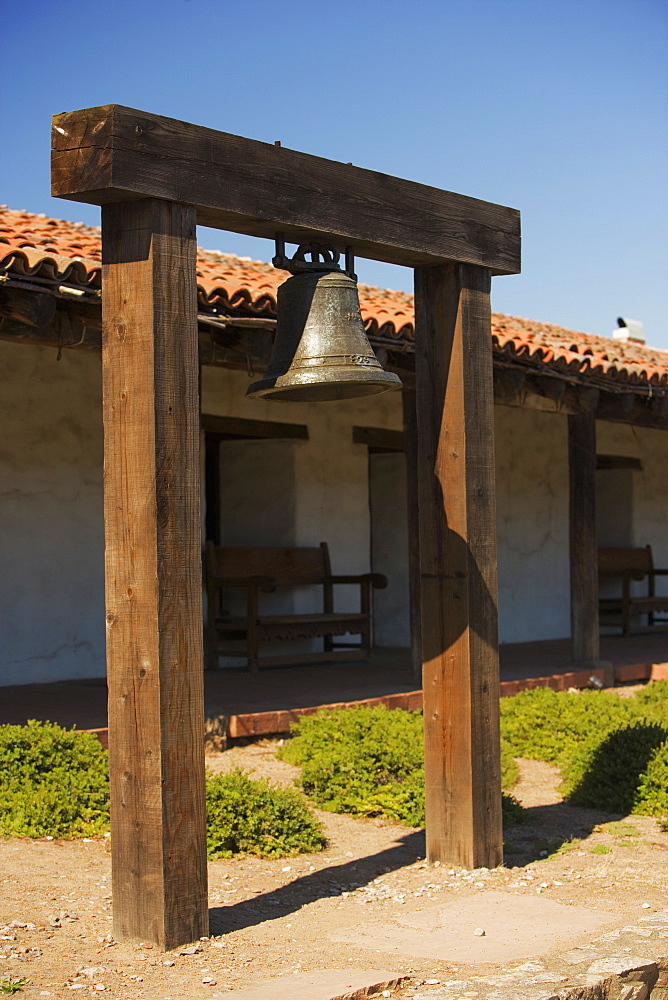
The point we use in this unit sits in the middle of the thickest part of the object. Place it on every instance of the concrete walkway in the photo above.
(507, 948)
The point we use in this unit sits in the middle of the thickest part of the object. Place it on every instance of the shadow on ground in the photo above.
(331, 881)
(547, 829)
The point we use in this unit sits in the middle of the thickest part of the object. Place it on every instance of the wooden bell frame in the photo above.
(156, 178)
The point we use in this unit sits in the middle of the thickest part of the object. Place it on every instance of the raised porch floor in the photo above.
(253, 704)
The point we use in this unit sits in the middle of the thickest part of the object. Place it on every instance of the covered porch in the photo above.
(245, 704)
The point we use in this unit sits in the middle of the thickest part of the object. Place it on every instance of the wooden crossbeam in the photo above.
(112, 154)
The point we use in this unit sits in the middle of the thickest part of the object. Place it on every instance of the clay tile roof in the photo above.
(47, 249)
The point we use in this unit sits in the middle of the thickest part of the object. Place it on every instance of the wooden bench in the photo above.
(630, 564)
(259, 570)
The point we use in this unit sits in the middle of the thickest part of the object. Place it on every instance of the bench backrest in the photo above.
(288, 567)
(625, 561)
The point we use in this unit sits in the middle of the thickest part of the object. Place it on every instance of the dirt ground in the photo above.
(270, 918)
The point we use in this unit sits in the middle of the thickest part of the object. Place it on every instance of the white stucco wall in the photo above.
(532, 524)
(389, 548)
(51, 522)
(286, 492)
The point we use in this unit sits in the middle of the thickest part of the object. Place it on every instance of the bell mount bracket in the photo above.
(325, 258)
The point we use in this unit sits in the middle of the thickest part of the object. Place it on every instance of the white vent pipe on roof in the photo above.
(629, 329)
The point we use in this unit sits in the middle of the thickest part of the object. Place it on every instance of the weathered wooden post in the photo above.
(152, 557)
(455, 401)
(156, 177)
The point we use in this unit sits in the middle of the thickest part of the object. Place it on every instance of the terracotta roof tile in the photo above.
(70, 252)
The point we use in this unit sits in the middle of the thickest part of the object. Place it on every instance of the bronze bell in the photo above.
(321, 351)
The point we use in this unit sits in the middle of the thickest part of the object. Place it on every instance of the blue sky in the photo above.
(556, 107)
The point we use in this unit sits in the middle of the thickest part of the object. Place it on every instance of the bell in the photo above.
(321, 350)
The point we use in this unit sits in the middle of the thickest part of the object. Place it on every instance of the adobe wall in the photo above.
(532, 524)
(296, 492)
(51, 520)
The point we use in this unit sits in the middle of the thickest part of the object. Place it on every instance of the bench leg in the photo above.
(626, 619)
(211, 650)
(253, 650)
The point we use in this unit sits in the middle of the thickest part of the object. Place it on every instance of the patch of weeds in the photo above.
(600, 849)
(53, 782)
(618, 828)
(10, 986)
(256, 817)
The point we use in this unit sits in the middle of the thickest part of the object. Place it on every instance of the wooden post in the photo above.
(411, 453)
(582, 537)
(453, 348)
(153, 577)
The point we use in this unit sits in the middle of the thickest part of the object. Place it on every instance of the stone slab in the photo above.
(325, 984)
(516, 927)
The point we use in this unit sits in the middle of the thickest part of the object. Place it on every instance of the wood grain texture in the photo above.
(582, 536)
(153, 574)
(112, 153)
(458, 564)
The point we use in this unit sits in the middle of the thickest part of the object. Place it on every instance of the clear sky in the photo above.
(556, 107)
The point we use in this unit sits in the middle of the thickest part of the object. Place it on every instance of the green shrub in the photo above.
(652, 700)
(604, 745)
(548, 725)
(368, 762)
(362, 761)
(652, 792)
(258, 818)
(609, 776)
(53, 782)
(511, 810)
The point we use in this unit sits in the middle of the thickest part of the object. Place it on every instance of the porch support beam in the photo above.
(582, 537)
(152, 564)
(458, 564)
